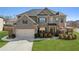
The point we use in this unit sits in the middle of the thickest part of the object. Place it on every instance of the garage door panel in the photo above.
(25, 33)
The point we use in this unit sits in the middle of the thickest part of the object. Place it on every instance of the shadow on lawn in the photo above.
(38, 40)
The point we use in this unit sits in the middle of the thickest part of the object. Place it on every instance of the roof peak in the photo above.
(45, 8)
(34, 12)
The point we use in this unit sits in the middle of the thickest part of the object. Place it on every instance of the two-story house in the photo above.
(33, 20)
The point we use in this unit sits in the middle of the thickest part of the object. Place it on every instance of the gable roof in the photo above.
(28, 18)
(45, 11)
(35, 12)
(32, 12)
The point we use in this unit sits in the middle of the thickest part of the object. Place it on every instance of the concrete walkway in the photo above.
(77, 30)
(21, 45)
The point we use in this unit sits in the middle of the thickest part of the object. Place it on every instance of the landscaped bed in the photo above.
(56, 45)
(2, 34)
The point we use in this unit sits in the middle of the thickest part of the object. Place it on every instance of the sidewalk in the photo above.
(22, 45)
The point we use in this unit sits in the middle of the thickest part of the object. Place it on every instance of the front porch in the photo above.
(47, 31)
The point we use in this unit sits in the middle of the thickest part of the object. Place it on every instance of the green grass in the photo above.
(2, 34)
(56, 45)
(2, 43)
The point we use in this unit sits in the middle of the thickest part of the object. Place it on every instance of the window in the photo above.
(62, 20)
(56, 19)
(24, 21)
(19, 16)
(42, 20)
(51, 19)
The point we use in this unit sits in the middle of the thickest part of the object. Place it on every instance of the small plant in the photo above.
(66, 36)
(36, 35)
(70, 37)
(41, 35)
(57, 33)
(49, 35)
(61, 36)
(74, 36)
(45, 35)
(12, 36)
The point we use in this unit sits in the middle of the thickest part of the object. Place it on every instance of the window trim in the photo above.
(25, 22)
(62, 20)
(42, 21)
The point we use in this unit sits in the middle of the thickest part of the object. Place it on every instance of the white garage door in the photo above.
(25, 33)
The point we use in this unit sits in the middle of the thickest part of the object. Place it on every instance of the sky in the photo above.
(71, 12)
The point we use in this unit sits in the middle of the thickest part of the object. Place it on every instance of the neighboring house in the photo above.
(9, 25)
(74, 24)
(36, 20)
(10, 21)
(1, 24)
(69, 23)
(77, 23)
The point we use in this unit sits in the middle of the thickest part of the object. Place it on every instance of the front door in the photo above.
(53, 29)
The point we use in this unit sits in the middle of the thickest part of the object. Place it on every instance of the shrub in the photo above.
(41, 35)
(36, 35)
(74, 36)
(61, 36)
(57, 33)
(49, 35)
(65, 36)
(70, 37)
(12, 36)
(45, 35)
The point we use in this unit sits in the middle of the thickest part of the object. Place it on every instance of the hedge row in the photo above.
(43, 35)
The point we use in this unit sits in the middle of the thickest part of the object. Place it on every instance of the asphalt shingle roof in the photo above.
(34, 12)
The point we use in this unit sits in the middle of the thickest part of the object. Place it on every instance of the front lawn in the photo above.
(2, 43)
(56, 45)
(2, 34)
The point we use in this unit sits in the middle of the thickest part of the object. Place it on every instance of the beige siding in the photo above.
(34, 18)
(21, 25)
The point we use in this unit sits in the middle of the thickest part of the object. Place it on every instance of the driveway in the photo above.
(21, 45)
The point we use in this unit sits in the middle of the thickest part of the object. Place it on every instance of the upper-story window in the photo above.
(42, 20)
(62, 20)
(52, 20)
(18, 16)
(24, 21)
(56, 19)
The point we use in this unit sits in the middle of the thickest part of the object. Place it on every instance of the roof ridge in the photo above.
(50, 11)
(35, 12)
